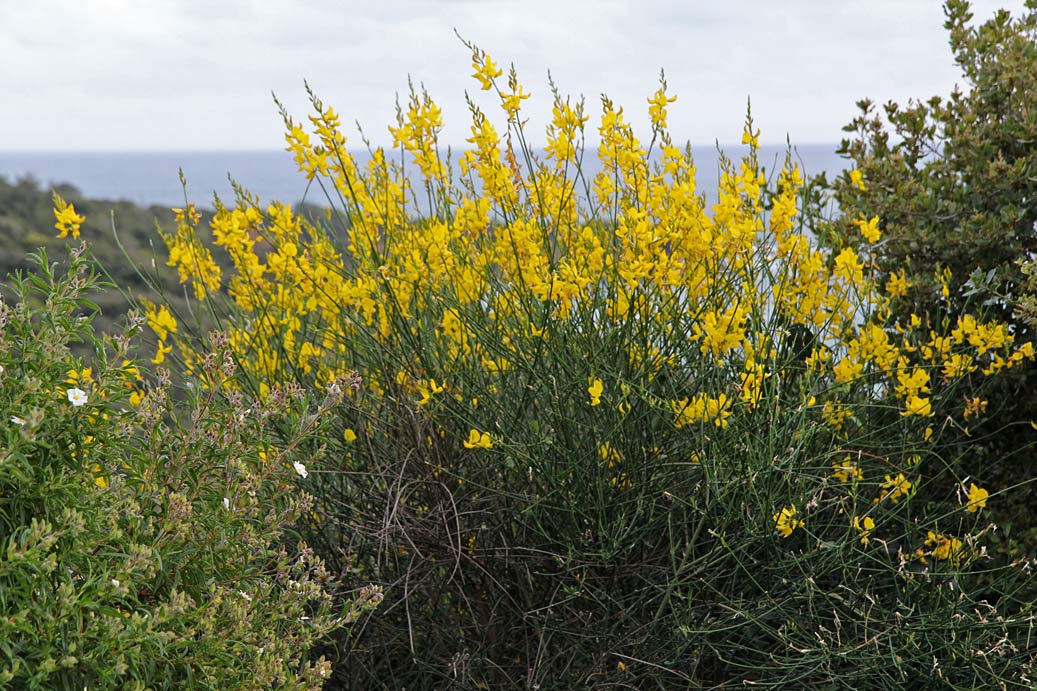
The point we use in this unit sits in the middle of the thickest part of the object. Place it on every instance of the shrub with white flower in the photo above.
(151, 595)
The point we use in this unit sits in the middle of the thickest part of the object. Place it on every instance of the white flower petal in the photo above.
(76, 397)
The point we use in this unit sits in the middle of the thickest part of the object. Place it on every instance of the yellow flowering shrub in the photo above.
(675, 426)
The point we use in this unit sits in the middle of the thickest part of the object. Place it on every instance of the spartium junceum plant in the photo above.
(609, 437)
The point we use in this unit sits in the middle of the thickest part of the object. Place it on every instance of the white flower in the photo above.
(226, 504)
(115, 582)
(301, 469)
(17, 420)
(76, 397)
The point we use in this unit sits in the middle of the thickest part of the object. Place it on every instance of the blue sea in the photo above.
(152, 178)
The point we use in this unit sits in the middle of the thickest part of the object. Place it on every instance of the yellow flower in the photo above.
(609, 454)
(428, 390)
(847, 266)
(160, 320)
(835, 415)
(751, 138)
(957, 366)
(79, 376)
(864, 527)
(512, 102)
(595, 389)
(485, 70)
(785, 521)
(847, 370)
(349, 435)
(99, 478)
(193, 261)
(657, 107)
(478, 440)
(944, 277)
(895, 487)
(751, 386)
(846, 471)
(869, 228)
(974, 407)
(977, 498)
(943, 546)
(720, 332)
(912, 382)
(68, 221)
(130, 370)
(717, 410)
(916, 405)
(189, 213)
(161, 350)
(898, 284)
(857, 180)
(702, 408)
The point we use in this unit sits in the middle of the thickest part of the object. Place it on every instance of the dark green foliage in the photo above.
(529, 565)
(954, 183)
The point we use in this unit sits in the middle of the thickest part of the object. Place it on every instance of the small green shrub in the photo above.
(144, 543)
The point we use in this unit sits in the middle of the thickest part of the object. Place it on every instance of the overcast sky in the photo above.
(198, 74)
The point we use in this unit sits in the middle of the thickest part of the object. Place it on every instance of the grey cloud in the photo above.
(198, 73)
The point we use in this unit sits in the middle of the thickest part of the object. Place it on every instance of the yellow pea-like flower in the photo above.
(595, 390)
(478, 440)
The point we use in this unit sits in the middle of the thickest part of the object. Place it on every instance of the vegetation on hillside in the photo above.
(579, 431)
(27, 222)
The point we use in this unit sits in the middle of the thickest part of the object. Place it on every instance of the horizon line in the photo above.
(72, 152)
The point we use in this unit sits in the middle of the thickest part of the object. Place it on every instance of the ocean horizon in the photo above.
(153, 178)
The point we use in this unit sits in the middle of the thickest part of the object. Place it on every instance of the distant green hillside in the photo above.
(27, 223)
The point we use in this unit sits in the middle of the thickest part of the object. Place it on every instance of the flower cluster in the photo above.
(785, 521)
(68, 221)
(507, 235)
